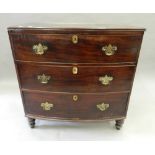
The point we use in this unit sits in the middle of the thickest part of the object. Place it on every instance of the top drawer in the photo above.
(76, 48)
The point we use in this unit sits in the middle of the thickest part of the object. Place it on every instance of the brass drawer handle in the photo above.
(105, 80)
(47, 106)
(109, 50)
(102, 106)
(75, 97)
(40, 49)
(74, 39)
(43, 78)
(74, 70)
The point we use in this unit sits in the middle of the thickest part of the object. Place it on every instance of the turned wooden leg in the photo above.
(31, 122)
(119, 124)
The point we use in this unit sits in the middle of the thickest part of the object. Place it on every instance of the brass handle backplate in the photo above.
(47, 106)
(109, 50)
(105, 80)
(102, 106)
(40, 49)
(43, 78)
(74, 39)
(74, 70)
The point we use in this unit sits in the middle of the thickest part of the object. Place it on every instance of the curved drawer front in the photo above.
(77, 48)
(87, 106)
(81, 79)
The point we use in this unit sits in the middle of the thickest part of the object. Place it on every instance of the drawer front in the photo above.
(75, 78)
(86, 106)
(76, 48)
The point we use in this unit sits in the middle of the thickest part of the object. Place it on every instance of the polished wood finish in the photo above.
(87, 50)
(85, 81)
(84, 108)
(76, 30)
(63, 86)
(31, 122)
(119, 124)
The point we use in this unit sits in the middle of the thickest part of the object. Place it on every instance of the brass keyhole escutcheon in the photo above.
(74, 70)
(74, 39)
(75, 97)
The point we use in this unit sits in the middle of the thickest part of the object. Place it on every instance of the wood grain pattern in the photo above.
(87, 50)
(87, 79)
(95, 31)
(92, 63)
(83, 108)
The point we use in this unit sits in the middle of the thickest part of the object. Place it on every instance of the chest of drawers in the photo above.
(77, 74)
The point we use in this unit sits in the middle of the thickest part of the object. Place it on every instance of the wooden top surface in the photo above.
(75, 26)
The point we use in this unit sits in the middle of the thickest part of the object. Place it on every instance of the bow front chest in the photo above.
(75, 73)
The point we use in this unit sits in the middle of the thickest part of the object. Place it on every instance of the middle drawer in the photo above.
(83, 79)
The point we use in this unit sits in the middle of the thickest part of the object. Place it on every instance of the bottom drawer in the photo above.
(75, 106)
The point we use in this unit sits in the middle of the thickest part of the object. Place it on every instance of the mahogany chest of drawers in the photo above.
(75, 73)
